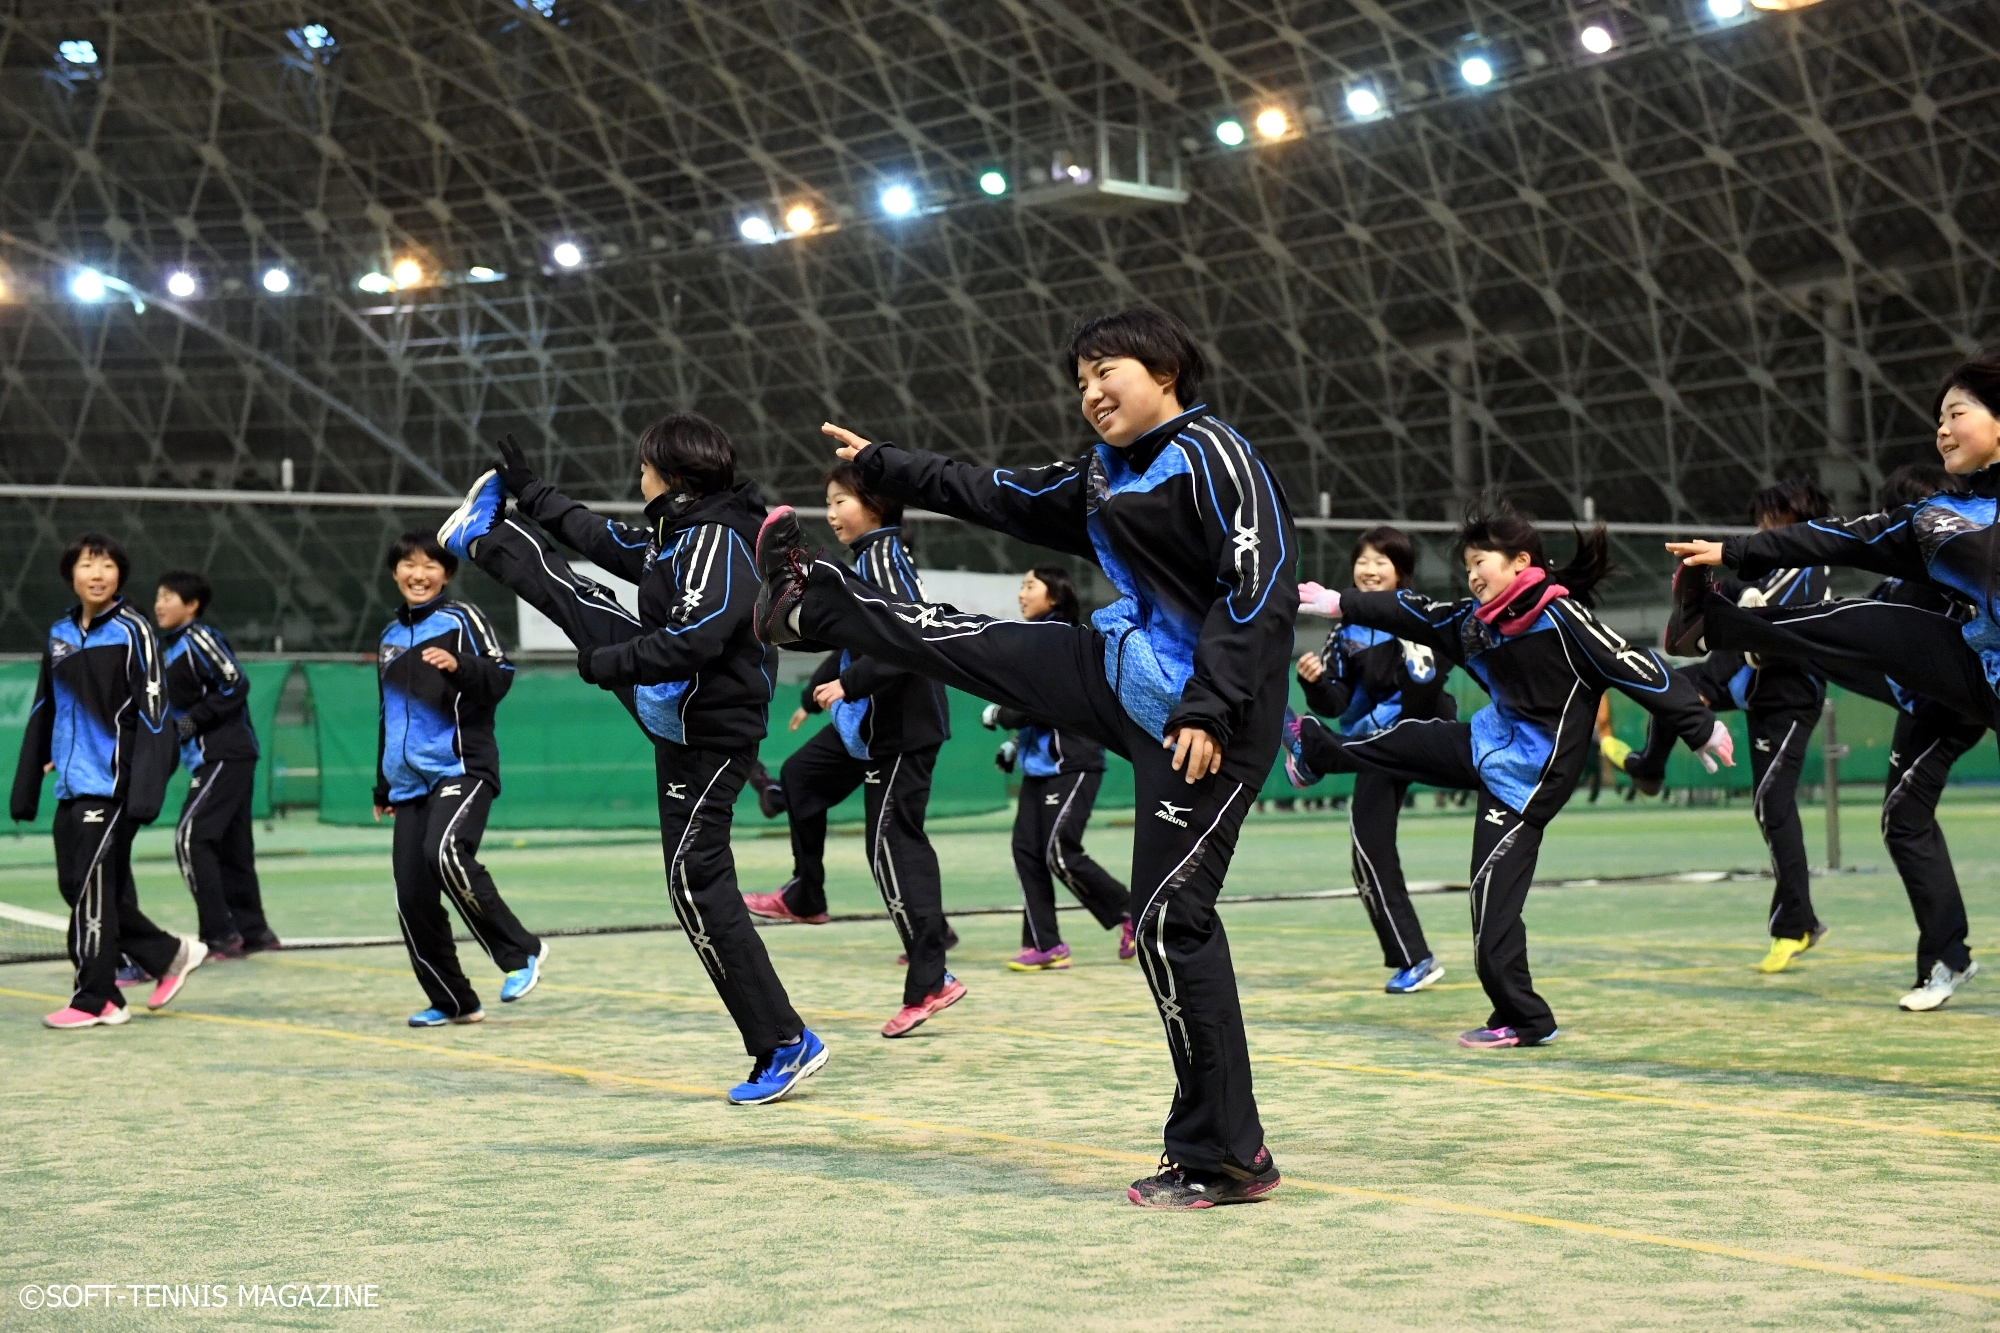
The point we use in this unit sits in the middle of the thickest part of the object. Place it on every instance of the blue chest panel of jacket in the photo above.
(1148, 645)
(84, 746)
(1365, 715)
(419, 738)
(1038, 756)
(1509, 751)
(662, 707)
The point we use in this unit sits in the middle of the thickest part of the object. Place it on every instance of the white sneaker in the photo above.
(190, 956)
(1933, 993)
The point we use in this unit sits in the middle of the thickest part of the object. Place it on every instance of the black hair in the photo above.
(95, 543)
(1062, 592)
(411, 543)
(1511, 531)
(690, 447)
(846, 474)
(1795, 499)
(1913, 482)
(1979, 377)
(190, 587)
(1393, 543)
(1153, 338)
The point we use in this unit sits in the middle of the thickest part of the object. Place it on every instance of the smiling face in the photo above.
(1122, 400)
(169, 611)
(95, 580)
(850, 519)
(1968, 436)
(1034, 598)
(1487, 573)
(419, 578)
(1374, 572)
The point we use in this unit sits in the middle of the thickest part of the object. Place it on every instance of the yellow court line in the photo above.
(1108, 1154)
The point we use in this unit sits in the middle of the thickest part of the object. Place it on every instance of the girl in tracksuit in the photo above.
(1528, 637)
(1370, 680)
(1060, 774)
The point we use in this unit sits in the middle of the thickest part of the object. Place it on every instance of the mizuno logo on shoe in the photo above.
(677, 791)
(93, 816)
(1496, 816)
(1172, 813)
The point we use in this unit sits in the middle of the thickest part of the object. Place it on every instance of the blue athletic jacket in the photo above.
(100, 715)
(1374, 679)
(886, 710)
(438, 724)
(1531, 742)
(1188, 525)
(206, 684)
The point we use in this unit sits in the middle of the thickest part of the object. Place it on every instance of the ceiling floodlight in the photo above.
(481, 273)
(1229, 133)
(87, 285)
(407, 273)
(276, 280)
(799, 219)
(1597, 39)
(316, 37)
(1273, 123)
(1784, 5)
(77, 52)
(566, 254)
(1476, 70)
(1726, 9)
(1364, 102)
(993, 183)
(899, 201)
(756, 229)
(381, 284)
(181, 284)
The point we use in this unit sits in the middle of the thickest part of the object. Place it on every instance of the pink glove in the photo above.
(1721, 745)
(1320, 601)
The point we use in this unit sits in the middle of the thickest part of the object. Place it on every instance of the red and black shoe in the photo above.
(784, 562)
(1184, 1187)
(1687, 625)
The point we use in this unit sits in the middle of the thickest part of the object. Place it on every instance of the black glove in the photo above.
(1003, 758)
(583, 665)
(184, 725)
(515, 473)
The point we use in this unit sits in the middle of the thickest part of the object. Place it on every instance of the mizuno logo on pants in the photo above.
(1172, 813)
(1053, 798)
(93, 816)
(1763, 743)
(873, 775)
(1496, 816)
(449, 791)
(677, 791)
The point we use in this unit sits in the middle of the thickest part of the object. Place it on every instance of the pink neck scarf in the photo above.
(1521, 614)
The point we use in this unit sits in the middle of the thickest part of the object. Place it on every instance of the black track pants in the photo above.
(1927, 744)
(1778, 743)
(897, 790)
(1180, 852)
(436, 856)
(1048, 846)
(94, 872)
(217, 851)
(524, 561)
(1372, 813)
(1505, 848)
(698, 790)
(1920, 650)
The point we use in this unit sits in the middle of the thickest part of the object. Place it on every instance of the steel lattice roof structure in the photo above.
(1722, 252)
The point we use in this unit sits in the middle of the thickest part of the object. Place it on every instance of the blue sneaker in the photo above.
(133, 975)
(524, 979)
(484, 504)
(437, 1018)
(1415, 977)
(774, 1075)
(1296, 771)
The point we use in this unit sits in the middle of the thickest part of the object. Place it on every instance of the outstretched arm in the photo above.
(1043, 505)
(1885, 542)
(1412, 616)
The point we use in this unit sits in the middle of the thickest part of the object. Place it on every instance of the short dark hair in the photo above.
(1393, 543)
(413, 543)
(95, 543)
(1798, 498)
(689, 446)
(1153, 338)
(846, 474)
(189, 586)
(1913, 482)
(1979, 376)
(1062, 592)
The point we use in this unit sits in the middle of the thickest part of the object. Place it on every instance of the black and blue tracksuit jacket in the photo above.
(1530, 744)
(438, 724)
(99, 715)
(1373, 680)
(206, 684)
(1729, 679)
(1187, 524)
(887, 710)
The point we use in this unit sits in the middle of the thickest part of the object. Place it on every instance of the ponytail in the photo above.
(1511, 531)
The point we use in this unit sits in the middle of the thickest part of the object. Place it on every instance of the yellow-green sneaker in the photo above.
(1782, 953)
(1615, 750)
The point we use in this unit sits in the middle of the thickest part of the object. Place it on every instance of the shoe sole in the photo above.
(806, 1071)
(157, 1001)
(1255, 1194)
(1908, 1008)
(534, 981)
(1430, 979)
(1059, 966)
(449, 529)
(935, 1011)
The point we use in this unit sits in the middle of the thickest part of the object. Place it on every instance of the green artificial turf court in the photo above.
(1705, 1146)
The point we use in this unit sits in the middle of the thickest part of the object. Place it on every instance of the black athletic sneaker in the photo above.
(783, 561)
(261, 942)
(1686, 624)
(1182, 1187)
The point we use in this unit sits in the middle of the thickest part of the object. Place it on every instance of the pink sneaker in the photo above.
(771, 906)
(911, 1016)
(1040, 960)
(72, 1017)
(1128, 941)
(190, 957)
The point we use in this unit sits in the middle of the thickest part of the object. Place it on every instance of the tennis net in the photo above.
(28, 936)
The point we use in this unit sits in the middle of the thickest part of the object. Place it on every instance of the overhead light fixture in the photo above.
(181, 284)
(1229, 133)
(276, 280)
(1273, 123)
(381, 284)
(87, 285)
(1476, 70)
(1596, 39)
(756, 229)
(77, 52)
(407, 273)
(899, 201)
(1726, 9)
(800, 219)
(1783, 6)
(1363, 101)
(481, 273)
(993, 182)
(566, 254)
